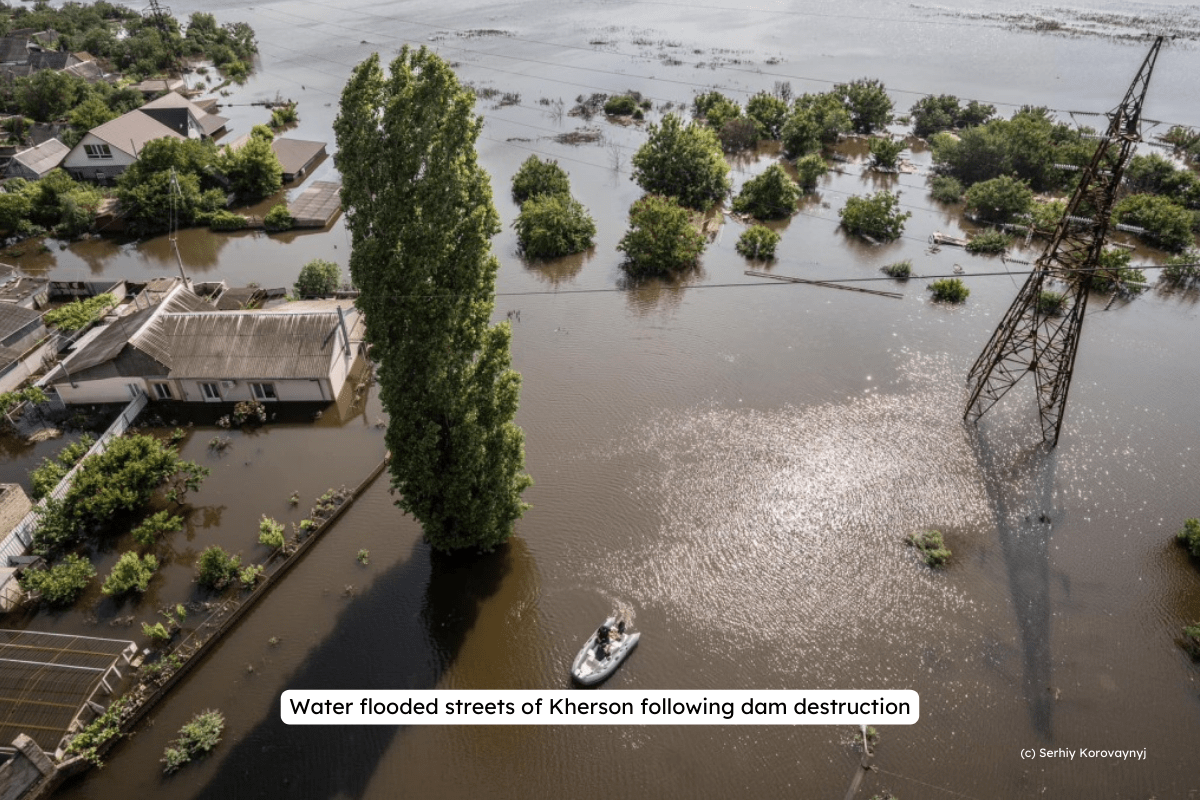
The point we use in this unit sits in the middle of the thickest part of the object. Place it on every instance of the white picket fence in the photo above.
(18, 542)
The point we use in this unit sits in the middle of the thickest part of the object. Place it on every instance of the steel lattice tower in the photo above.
(1030, 339)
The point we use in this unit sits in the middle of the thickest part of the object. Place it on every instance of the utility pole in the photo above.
(162, 16)
(1031, 337)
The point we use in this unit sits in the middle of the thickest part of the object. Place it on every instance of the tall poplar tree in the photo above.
(420, 214)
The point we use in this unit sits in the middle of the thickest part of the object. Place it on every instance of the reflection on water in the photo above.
(791, 521)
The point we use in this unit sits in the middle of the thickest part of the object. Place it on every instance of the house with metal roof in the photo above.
(107, 150)
(183, 349)
(34, 163)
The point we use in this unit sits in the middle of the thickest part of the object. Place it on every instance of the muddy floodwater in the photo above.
(738, 464)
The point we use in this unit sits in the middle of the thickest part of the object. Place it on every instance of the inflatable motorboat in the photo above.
(603, 653)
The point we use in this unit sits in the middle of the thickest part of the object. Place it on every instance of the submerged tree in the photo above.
(419, 209)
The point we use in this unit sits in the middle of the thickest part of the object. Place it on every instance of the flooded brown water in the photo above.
(738, 464)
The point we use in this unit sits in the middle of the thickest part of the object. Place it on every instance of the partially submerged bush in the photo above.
(1182, 268)
(45, 477)
(946, 189)
(278, 218)
(1167, 224)
(810, 169)
(1050, 302)
(770, 195)
(216, 568)
(931, 546)
(270, 533)
(1191, 639)
(99, 732)
(78, 313)
(553, 225)
(885, 152)
(999, 199)
(900, 269)
(61, 584)
(156, 525)
(949, 290)
(1189, 537)
(129, 573)
(536, 177)
(223, 220)
(877, 216)
(661, 238)
(684, 162)
(768, 112)
(318, 278)
(989, 242)
(621, 105)
(198, 736)
(1115, 274)
(757, 242)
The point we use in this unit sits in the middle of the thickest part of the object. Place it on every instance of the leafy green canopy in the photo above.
(771, 195)
(78, 313)
(943, 112)
(552, 225)
(661, 238)
(878, 216)
(757, 242)
(684, 162)
(420, 213)
(149, 195)
(539, 177)
(999, 199)
(253, 169)
(318, 278)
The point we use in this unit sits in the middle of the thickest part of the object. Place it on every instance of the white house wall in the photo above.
(104, 390)
(81, 167)
(286, 391)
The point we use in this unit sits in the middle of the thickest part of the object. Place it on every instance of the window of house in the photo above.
(210, 391)
(97, 151)
(162, 391)
(264, 391)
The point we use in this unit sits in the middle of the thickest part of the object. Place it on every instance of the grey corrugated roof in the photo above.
(250, 344)
(150, 337)
(13, 318)
(44, 157)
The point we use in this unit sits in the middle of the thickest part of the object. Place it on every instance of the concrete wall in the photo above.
(106, 390)
(27, 365)
(294, 391)
(26, 768)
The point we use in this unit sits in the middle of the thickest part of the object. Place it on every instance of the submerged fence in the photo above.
(18, 542)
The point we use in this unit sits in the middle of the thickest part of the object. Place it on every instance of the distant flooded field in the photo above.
(739, 464)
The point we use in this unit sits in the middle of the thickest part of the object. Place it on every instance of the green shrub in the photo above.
(156, 633)
(901, 269)
(757, 242)
(318, 278)
(1183, 267)
(1189, 537)
(1191, 639)
(1167, 224)
(771, 195)
(738, 134)
(364, 557)
(536, 177)
(99, 732)
(216, 568)
(1050, 302)
(621, 105)
(78, 313)
(999, 199)
(253, 170)
(278, 218)
(684, 162)
(933, 114)
(284, 115)
(868, 103)
(270, 533)
(885, 152)
(768, 112)
(715, 109)
(815, 120)
(156, 525)
(1046, 216)
(130, 572)
(553, 225)
(810, 169)
(223, 220)
(661, 238)
(198, 736)
(945, 189)
(990, 241)
(45, 477)
(249, 575)
(949, 290)
(1115, 261)
(61, 584)
(877, 216)
(931, 546)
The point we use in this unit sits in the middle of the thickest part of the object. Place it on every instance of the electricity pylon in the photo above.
(1038, 334)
